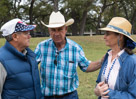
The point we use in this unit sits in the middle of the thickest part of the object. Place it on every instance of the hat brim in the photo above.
(69, 22)
(54, 25)
(29, 27)
(112, 30)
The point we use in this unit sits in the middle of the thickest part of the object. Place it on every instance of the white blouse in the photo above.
(113, 74)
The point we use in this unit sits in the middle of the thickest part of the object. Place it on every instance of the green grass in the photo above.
(94, 48)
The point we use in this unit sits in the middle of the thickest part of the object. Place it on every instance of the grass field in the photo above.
(94, 48)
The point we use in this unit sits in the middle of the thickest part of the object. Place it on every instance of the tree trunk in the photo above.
(98, 25)
(55, 5)
(83, 21)
(74, 29)
(31, 15)
(74, 26)
(31, 12)
(132, 21)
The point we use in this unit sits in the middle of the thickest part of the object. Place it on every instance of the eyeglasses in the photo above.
(55, 61)
(24, 33)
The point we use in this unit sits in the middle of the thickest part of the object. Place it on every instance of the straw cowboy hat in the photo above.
(119, 25)
(57, 20)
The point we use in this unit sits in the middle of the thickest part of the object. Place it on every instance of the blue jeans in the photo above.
(73, 95)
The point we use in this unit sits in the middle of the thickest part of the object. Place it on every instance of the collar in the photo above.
(65, 47)
(118, 55)
(24, 52)
(13, 50)
(122, 56)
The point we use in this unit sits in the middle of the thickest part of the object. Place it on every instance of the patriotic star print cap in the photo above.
(15, 25)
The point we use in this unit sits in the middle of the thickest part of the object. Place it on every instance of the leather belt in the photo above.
(58, 96)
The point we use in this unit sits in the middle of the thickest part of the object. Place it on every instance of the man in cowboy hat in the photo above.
(59, 57)
(117, 77)
(19, 76)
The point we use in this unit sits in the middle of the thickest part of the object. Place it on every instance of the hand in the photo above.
(105, 93)
(101, 90)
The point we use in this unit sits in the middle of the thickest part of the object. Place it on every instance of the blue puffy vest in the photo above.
(22, 81)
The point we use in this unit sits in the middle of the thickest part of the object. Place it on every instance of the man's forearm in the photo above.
(94, 66)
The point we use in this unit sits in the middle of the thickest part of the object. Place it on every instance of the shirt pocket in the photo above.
(68, 68)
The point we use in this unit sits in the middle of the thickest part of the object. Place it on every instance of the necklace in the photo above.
(109, 70)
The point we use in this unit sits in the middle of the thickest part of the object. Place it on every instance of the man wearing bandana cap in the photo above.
(19, 75)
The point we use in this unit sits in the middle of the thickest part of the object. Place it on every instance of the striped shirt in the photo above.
(59, 68)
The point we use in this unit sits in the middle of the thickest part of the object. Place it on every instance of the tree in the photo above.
(102, 8)
(5, 15)
(88, 14)
(124, 8)
(78, 10)
(87, 8)
(129, 11)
